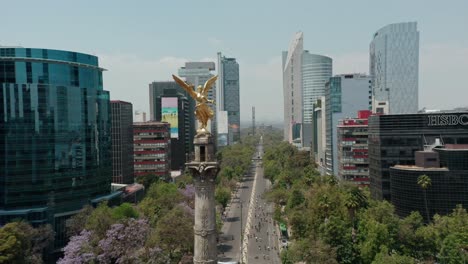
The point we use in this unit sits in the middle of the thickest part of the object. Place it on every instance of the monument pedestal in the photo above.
(204, 169)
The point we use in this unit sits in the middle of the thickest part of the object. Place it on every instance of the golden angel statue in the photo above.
(202, 111)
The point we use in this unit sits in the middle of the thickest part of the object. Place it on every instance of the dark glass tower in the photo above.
(122, 142)
(55, 142)
(229, 95)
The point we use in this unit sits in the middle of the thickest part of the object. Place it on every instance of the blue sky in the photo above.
(142, 41)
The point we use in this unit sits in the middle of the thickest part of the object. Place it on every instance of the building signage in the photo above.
(169, 114)
(447, 120)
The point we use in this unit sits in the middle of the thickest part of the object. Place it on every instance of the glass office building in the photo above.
(447, 167)
(304, 79)
(229, 95)
(394, 139)
(122, 142)
(55, 141)
(292, 88)
(316, 72)
(197, 73)
(394, 67)
(345, 95)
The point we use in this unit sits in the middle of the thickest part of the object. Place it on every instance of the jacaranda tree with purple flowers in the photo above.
(79, 250)
(123, 242)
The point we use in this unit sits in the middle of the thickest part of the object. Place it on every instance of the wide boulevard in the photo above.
(251, 213)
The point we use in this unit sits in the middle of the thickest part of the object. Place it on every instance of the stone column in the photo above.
(204, 170)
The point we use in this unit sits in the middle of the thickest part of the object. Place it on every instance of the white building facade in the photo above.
(304, 78)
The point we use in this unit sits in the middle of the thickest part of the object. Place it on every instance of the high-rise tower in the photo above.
(292, 88)
(304, 78)
(122, 142)
(394, 68)
(228, 94)
(197, 73)
(316, 72)
(55, 136)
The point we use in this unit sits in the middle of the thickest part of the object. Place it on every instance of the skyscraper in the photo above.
(197, 73)
(345, 95)
(304, 78)
(316, 72)
(394, 67)
(292, 88)
(122, 142)
(55, 136)
(169, 103)
(229, 94)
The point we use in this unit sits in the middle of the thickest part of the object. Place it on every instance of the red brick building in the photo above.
(353, 158)
(152, 149)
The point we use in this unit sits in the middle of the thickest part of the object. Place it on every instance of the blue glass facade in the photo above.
(55, 140)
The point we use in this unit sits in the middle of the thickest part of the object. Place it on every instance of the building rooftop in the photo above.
(417, 168)
(119, 101)
(456, 146)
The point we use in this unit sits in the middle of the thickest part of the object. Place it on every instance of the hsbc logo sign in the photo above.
(447, 120)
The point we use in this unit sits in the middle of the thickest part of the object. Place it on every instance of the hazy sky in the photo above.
(142, 41)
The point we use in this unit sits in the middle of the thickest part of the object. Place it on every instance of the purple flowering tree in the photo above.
(123, 241)
(189, 195)
(79, 249)
(153, 256)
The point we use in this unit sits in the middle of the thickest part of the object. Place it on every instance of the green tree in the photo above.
(299, 224)
(21, 243)
(383, 257)
(454, 249)
(124, 211)
(100, 220)
(312, 251)
(75, 224)
(147, 179)
(378, 226)
(159, 200)
(10, 245)
(223, 195)
(425, 182)
(295, 199)
(175, 231)
(354, 199)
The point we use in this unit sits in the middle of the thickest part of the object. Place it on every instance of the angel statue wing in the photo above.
(187, 87)
(208, 84)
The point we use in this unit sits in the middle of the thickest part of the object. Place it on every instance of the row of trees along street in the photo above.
(334, 222)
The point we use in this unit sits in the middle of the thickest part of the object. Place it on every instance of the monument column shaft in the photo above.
(204, 169)
(205, 223)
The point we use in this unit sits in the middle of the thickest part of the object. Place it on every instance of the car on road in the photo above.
(284, 243)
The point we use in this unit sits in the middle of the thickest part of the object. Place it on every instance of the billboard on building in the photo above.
(170, 114)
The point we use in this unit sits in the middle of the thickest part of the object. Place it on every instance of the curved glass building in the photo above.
(55, 142)
(394, 67)
(316, 72)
